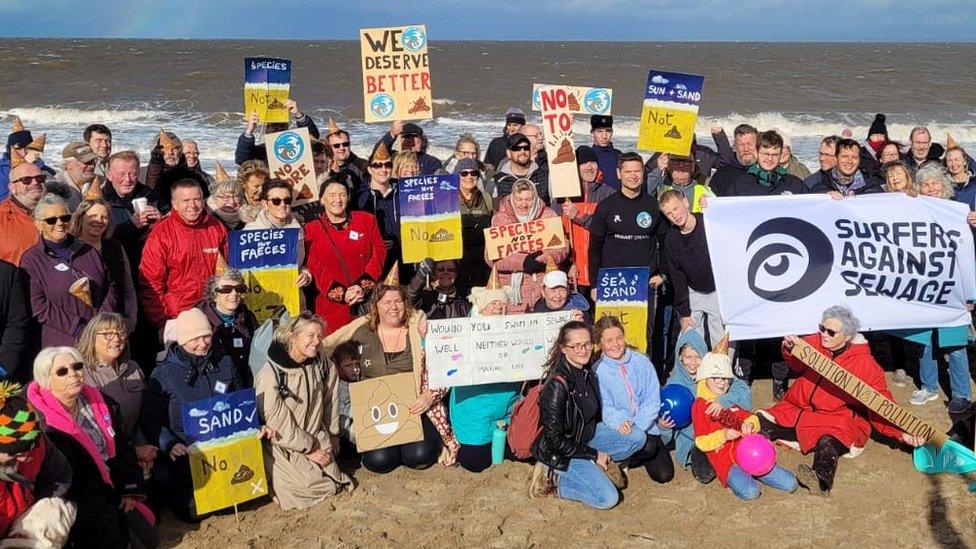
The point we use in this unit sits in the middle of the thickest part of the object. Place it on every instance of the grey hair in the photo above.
(44, 361)
(210, 288)
(918, 129)
(188, 141)
(231, 186)
(849, 324)
(287, 330)
(48, 200)
(933, 170)
(830, 141)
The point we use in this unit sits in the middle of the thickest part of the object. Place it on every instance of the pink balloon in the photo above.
(755, 455)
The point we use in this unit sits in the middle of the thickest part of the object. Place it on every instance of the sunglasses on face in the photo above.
(521, 148)
(63, 371)
(277, 201)
(26, 180)
(229, 289)
(468, 173)
(342, 145)
(53, 220)
(378, 165)
(826, 330)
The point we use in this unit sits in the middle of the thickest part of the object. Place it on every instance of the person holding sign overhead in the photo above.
(411, 139)
(524, 272)
(249, 149)
(298, 398)
(345, 254)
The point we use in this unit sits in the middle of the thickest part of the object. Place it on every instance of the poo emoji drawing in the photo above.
(381, 417)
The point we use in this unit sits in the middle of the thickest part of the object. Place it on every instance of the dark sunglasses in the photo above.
(468, 173)
(229, 289)
(63, 371)
(340, 145)
(277, 201)
(26, 180)
(379, 165)
(826, 330)
(520, 148)
(52, 220)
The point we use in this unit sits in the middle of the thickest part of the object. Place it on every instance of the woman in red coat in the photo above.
(345, 254)
(816, 415)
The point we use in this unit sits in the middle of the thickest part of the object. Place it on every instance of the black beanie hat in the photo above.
(598, 121)
(585, 154)
(19, 140)
(878, 126)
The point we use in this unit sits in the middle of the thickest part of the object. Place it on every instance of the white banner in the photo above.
(490, 349)
(895, 261)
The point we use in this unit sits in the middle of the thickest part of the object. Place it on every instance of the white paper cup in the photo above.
(139, 204)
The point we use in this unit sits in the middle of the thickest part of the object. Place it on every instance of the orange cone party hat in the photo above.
(551, 264)
(494, 283)
(16, 158)
(94, 191)
(220, 267)
(382, 154)
(722, 347)
(950, 142)
(333, 127)
(38, 143)
(166, 142)
(18, 124)
(393, 277)
(220, 174)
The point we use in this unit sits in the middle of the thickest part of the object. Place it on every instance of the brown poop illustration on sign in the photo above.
(565, 153)
(673, 133)
(420, 105)
(573, 103)
(242, 475)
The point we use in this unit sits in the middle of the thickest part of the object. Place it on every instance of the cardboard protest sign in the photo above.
(430, 218)
(396, 73)
(290, 158)
(226, 462)
(670, 112)
(226, 475)
(491, 349)
(380, 415)
(266, 85)
(268, 259)
(582, 100)
(557, 125)
(524, 238)
(623, 292)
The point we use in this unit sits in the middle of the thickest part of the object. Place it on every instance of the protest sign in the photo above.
(290, 158)
(582, 100)
(622, 292)
(557, 125)
(897, 262)
(226, 462)
(268, 259)
(491, 349)
(266, 85)
(524, 238)
(396, 73)
(380, 412)
(670, 112)
(430, 218)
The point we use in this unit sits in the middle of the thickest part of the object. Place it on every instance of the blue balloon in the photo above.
(676, 404)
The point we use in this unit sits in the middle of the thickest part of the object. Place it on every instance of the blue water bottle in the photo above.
(498, 441)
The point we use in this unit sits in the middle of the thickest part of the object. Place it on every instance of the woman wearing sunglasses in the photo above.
(88, 428)
(232, 322)
(815, 417)
(276, 213)
(476, 210)
(69, 281)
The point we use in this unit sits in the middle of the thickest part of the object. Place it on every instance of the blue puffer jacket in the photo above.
(738, 395)
(178, 379)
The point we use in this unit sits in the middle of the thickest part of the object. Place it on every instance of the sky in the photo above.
(562, 20)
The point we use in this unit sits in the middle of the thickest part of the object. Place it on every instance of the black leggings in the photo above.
(173, 484)
(475, 458)
(656, 459)
(415, 455)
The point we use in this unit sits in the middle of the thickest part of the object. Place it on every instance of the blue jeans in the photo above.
(928, 370)
(585, 481)
(744, 485)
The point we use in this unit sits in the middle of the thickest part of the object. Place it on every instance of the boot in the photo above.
(616, 475)
(821, 474)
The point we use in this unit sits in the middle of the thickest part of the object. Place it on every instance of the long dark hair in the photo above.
(555, 353)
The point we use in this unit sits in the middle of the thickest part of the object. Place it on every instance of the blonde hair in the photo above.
(78, 218)
(287, 330)
(404, 158)
(101, 321)
(252, 168)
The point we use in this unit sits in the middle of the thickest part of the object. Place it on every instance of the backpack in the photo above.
(524, 428)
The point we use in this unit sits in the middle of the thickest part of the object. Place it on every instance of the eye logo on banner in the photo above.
(288, 147)
(382, 106)
(597, 101)
(787, 283)
(414, 39)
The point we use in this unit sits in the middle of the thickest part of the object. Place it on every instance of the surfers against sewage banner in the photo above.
(895, 261)
(266, 86)
(670, 112)
(430, 218)
(396, 73)
(268, 259)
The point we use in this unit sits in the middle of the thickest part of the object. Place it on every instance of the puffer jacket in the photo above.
(435, 303)
(176, 262)
(565, 432)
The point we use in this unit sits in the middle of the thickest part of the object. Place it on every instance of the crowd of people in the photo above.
(117, 307)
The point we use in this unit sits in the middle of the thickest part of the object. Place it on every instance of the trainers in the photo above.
(900, 378)
(807, 478)
(779, 390)
(541, 485)
(959, 406)
(616, 475)
(922, 396)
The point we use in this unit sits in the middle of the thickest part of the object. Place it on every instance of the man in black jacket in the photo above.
(845, 177)
(745, 141)
(16, 344)
(922, 149)
(344, 160)
(626, 231)
(766, 176)
(514, 120)
(249, 149)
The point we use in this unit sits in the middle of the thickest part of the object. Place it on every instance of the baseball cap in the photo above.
(555, 279)
(78, 150)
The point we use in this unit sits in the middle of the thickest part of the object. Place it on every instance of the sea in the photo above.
(195, 88)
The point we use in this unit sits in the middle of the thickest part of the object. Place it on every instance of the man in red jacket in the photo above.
(180, 255)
